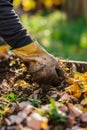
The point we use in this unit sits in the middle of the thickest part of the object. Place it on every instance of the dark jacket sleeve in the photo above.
(11, 29)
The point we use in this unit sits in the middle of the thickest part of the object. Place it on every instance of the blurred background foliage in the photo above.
(58, 25)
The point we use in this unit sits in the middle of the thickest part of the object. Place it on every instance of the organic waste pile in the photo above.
(26, 105)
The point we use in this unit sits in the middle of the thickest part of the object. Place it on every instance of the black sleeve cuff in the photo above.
(10, 27)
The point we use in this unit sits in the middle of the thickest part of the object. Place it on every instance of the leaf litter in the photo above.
(27, 105)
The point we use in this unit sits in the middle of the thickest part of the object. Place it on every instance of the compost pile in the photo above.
(27, 105)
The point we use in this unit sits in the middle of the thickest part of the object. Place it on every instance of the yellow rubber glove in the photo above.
(4, 50)
(42, 66)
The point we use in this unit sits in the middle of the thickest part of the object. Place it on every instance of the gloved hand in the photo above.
(42, 66)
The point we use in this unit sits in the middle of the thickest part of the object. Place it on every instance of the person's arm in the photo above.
(11, 29)
(42, 66)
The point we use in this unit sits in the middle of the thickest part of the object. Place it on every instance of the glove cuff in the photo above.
(32, 49)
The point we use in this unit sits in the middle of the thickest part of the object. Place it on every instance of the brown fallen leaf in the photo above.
(15, 119)
(37, 122)
(82, 129)
(74, 111)
(20, 127)
(84, 118)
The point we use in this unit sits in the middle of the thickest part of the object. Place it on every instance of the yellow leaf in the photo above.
(84, 109)
(7, 111)
(78, 85)
(28, 4)
(84, 101)
(21, 83)
(44, 125)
